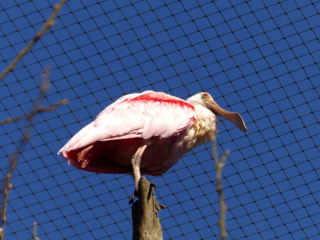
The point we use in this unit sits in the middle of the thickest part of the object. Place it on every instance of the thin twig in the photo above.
(7, 185)
(39, 110)
(7, 182)
(35, 231)
(223, 207)
(49, 23)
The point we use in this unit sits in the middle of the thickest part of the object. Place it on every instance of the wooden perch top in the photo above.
(146, 221)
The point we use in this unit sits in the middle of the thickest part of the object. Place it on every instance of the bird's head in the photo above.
(205, 100)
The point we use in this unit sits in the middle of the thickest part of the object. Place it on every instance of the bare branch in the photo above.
(49, 23)
(7, 185)
(34, 233)
(39, 110)
(223, 207)
(35, 109)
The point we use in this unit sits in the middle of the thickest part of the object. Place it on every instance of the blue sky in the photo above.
(258, 59)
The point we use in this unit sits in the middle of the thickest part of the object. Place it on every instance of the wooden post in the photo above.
(146, 221)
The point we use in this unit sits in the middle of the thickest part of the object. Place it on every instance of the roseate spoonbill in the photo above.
(146, 133)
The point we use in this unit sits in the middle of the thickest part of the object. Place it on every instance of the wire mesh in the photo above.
(258, 58)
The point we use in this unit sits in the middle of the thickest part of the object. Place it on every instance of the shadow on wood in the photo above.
(146, 221)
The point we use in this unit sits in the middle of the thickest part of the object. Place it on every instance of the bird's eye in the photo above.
(205, 95)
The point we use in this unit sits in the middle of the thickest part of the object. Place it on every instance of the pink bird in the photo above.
(146, 133)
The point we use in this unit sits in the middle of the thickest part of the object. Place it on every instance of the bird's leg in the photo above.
(136, 160)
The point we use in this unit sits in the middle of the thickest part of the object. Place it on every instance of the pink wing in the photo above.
(141, 115)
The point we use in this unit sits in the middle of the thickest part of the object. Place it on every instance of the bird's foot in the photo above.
(152, 184)
(158, 205)
(133, 197)
(135, 193)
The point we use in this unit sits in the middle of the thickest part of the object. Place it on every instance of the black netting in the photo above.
(260, 59)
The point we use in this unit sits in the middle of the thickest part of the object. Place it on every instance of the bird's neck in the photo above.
(204, 128)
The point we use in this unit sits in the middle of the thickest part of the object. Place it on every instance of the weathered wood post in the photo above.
(146, 221)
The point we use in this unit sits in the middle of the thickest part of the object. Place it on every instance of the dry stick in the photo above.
(34, 110)
(223, 207)
(44, 87)
(39, 110)
(26, 134)
(35, 231)
(13, 160)
(49, 23)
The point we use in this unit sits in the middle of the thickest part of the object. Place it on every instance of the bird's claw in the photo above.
(132, 197)
(159, 206)
(136, 193)
(152, 184)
